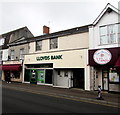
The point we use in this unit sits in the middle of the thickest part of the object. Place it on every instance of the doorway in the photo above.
(48, 76)
(41, 76)
(105, 79)
(6, 74)
(78, 78)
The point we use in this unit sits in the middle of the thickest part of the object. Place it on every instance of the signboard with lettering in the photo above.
(102, 56)
(55, 57)
(12, 62)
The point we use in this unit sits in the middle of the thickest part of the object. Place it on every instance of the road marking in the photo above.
(63, 97)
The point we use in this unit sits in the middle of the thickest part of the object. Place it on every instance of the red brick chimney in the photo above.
(46, 30)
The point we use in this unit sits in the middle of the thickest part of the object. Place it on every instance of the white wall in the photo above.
(87, 72)
(106, 19)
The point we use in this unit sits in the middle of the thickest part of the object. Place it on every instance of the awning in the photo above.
(118, 62)
(11, 67)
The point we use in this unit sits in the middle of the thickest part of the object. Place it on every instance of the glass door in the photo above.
(41, 76)
(105, 79)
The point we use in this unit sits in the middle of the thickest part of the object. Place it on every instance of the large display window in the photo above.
(113, 75)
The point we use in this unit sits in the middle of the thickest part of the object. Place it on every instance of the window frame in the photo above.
(38, 47)
(1, 54)
(53, 43)
(2, 41)
(109, 34)
(12, 56)
(21, 54)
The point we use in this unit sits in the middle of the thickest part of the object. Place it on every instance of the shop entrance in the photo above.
(44, 76)
(41, 76)
(7, 74)
(105, 79)
(38, 76)
(48, 76)
(78, 78)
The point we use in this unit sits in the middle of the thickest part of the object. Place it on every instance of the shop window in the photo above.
(12, 54)
(53, 43)
(66, 73)
(59, 73)
(113, 75)
(38, 45)
(15, 74)
(109, 34)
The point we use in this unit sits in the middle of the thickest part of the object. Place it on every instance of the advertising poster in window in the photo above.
(114, 77)
(41, 76)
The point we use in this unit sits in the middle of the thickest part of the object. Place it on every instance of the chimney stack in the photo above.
(45, 30)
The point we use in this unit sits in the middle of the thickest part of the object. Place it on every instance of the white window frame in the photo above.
(38, 45)
(22, 52)
(54, 43)
(12, 54)
(2, 41)
(109, 34)
(1, 55)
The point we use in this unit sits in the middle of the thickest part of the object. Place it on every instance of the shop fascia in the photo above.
(52, 57)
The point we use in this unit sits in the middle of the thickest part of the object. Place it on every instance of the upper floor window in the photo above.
(38, 45)
(109, 34)
(1, 53)
(12, 55)
(11, 37)
(2, 41)
(22, 53)
(53, 43)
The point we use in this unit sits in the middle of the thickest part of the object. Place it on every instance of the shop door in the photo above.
(78, 78)
(105, 79)
(48, 76)
(41, 76)
(27, 75)
(7, 74)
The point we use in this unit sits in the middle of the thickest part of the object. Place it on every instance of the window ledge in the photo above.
(107, 44)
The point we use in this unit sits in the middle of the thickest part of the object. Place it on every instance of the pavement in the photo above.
(110, 99)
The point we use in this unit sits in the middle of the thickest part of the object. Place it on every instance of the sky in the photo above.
(57, 14)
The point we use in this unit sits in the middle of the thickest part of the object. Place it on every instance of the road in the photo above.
(15, 101)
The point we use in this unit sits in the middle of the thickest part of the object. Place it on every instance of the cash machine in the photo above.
(33, 77)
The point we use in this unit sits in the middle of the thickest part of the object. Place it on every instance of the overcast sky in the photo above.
(57, 14)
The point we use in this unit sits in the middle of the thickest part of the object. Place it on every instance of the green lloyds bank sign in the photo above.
(55, 57)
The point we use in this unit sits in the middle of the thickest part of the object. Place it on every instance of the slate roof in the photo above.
(71, 31)
(7, 36)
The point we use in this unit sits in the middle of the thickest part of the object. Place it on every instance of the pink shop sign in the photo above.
(102, 56)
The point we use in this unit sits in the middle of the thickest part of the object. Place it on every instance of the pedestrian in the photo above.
(8, 78)
(99, 93)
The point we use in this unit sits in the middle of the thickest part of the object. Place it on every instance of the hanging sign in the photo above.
(102, 56)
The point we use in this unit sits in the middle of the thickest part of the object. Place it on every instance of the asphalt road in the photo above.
(14, 101)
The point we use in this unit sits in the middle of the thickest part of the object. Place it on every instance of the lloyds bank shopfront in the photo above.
(60, 69)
